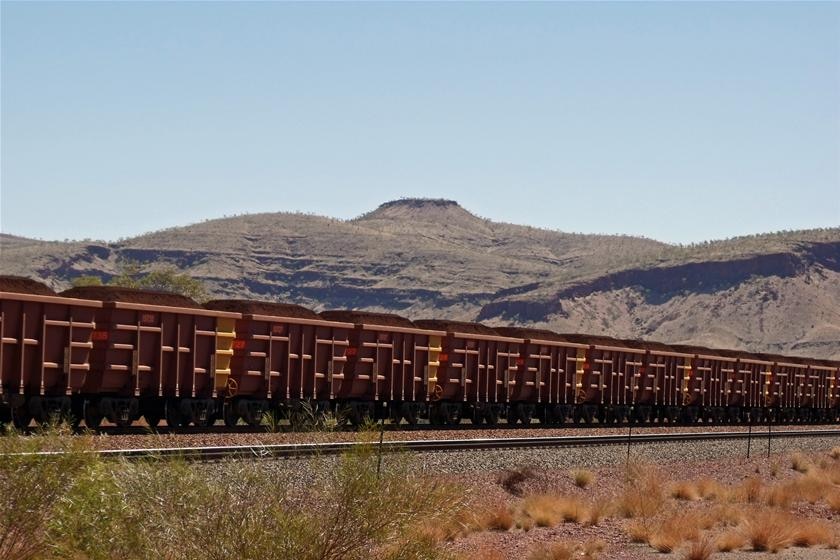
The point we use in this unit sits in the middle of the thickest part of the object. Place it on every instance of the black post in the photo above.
(629, 441)
(381, 437)
(769, 423)
(749, 438)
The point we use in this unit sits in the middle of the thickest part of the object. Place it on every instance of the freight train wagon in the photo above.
(119, 354)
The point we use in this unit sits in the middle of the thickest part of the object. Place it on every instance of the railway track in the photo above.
(286, 450)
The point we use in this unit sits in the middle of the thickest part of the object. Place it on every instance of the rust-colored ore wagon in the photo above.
(477, 373)
(286, 359)
(610, 378)
(45, 352)
(157, 355)
(391, 368)
(546, 375)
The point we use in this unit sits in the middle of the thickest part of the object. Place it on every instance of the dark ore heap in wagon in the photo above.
(130, 295)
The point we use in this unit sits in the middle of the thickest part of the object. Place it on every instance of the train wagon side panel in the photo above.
(45, 344)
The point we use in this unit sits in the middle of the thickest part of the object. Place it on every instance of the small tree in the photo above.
(166, 279)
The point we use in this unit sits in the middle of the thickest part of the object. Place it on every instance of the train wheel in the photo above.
(21, 417)
(229, 415)
(174, 419)
(93, 417)
(410, 411)
(492, 416)
(453, 414)
(512, 414)
(477, 416)
(152, 418)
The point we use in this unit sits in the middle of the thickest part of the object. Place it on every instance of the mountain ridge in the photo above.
(432, 258)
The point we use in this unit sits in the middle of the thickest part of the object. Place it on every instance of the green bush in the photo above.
(75, 505)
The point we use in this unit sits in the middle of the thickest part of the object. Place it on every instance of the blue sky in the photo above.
(680, 122)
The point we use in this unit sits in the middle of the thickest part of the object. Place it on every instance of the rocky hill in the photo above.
(432, 258)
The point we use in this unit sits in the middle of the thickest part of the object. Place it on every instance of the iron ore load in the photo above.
(122, 355)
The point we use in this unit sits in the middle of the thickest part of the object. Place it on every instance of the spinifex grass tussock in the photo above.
(700, 550)
(483, 553)
(548, 510)
(582, 477)
(835, 453)
(498, 517)
(710, 489)
(556, 551)
(642, 496)
(749, 491)
(833, 501)
(598, 510)
(730, 540)
(810, 532)
(799, 463)
(769, 531)
(685, 490)
(74, 505)
(562, 550)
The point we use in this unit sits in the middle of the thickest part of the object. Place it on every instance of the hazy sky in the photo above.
(680, 122)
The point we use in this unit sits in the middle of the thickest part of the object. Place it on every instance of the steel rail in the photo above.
(285, 450)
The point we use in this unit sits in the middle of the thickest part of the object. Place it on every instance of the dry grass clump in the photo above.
(555, 551)
(749, 491)
(513, 480)
(638, 531)
(484, 553)
(592, 549)
(684, 490)
(548, 510)
(666, 538)
(727, 515)
(700, 550)
(833, 501)
(730, 540)
(800, 463)
(835, 453)
(582, 477)
(769, 531)
(498, 517)
(562, 550)
(710, 489)
(598, 510)
(807, 533)
(642, 495)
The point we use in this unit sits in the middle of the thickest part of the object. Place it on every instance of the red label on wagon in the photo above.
(148, 318)
(278, 329)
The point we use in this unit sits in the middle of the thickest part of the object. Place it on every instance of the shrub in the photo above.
(582, 477)
(512, 480)
(32, 487)
(73, 505)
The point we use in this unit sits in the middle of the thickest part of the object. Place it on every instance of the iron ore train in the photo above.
(116, 354)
